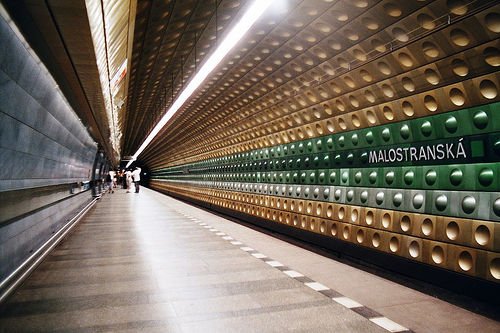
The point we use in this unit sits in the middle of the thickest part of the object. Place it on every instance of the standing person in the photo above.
(137, 178)
(109, 182)
(128, 179)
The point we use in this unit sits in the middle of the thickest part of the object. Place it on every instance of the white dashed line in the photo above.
(293, 274)
(274, 263)
(388, 324)
(316, 286)
(347, 302)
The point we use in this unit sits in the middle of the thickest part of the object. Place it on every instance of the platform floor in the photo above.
(150, 263)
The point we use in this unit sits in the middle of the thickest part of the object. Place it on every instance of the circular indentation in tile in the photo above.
(388, 113)
(492, 56)
(387, 90)
(414, 249)
(488, 89)
(355, 120)
(329, 126)
(354, 101)
(355, 139)
(342, 123)
(405, 59)
(426, 128)
(370, 97)
(397, 200)
(363, 196)
(400, 35)
(341, 142)
(408, 108)
(430, 103)
(480, 119)
(405, 223)
(441, 202)
(394, 244)
(340, 16)
(322, 227)
(386, 134)
(482, 235)
(457, 97)
(408, 84)
(360, 236)
(345, 232)
(459, 67)
(468, 204)
(495, 268)
(437, 254)
(409, 177)
(392, 9)
(465, 261)
(496, 207)
(354, 215)
(357, 177)
(427, 227)
(369, 137)
(358, 54)
(372, 177)
(459, 37)
(430, 177)
(329, 211)
(426, 21)
(370, 116)
(369, 23)
(378, 45)
(365, 76)
(376, 239)
(431, 76)
(452, 230)
(360, 3)
(349, 82)
(486, 177)
(389, 177)
(351, 35)
(456, 177)
(492, 21)
(383, 68)
(430, 49)
(369, 218)
(451, 124)
(333, 229)
(316, 190)
(349, 195)
(341, 213)
(379, 198)
(457, 7)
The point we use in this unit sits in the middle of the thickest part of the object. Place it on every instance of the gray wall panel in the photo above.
(45, 153)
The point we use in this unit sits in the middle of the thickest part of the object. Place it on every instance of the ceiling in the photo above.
(300, 68)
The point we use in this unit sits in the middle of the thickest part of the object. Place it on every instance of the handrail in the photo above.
(11, 282)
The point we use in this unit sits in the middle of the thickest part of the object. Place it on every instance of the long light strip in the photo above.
(239, 30)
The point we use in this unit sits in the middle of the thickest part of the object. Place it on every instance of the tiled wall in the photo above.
(386, 137)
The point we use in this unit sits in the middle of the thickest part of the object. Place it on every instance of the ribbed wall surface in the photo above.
(373, 123)
(46, 153)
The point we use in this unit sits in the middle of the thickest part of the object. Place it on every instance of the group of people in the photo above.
(125, 178)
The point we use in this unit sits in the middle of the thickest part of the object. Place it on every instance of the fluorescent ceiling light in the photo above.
(239, 30)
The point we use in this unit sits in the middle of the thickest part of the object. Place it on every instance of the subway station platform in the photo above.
(147, 262)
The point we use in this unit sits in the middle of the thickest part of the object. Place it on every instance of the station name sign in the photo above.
(452, 150)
